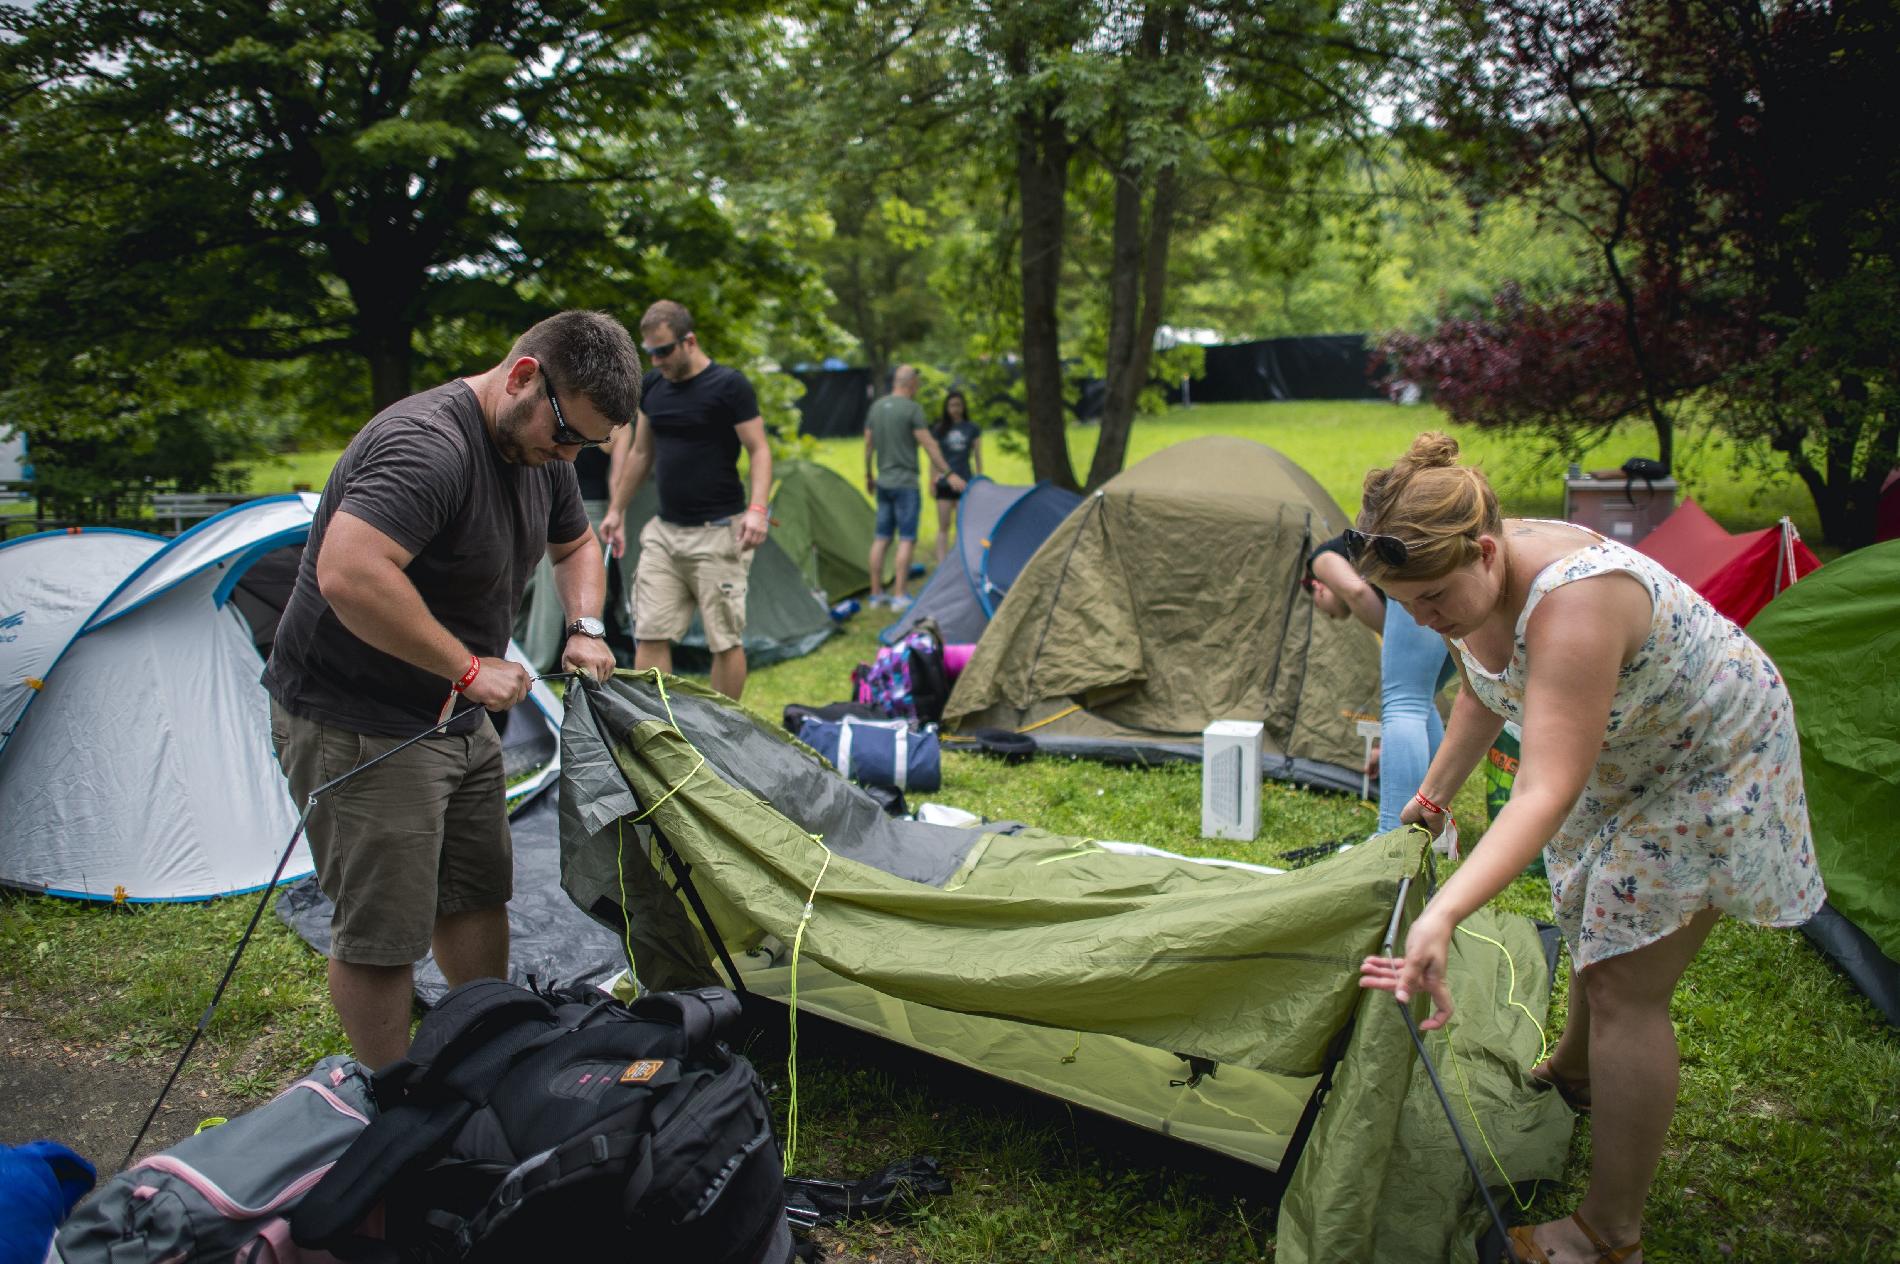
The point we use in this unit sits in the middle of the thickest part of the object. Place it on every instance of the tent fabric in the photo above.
(1737, 574)
(783, 619)
(952, 596)
(1170, 599)
(1836, 638)
(825, 525)
(834, 403)
(1016, 537)
(143, 766)
(1124, 961)
(1325, 366)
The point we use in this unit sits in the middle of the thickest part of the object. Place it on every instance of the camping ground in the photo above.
(1784, 1146)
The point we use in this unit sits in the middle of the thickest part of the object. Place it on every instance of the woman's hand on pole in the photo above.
(1423, 969)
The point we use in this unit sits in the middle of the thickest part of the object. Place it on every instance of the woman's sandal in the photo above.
(1575, 1093)
(1526, 1251)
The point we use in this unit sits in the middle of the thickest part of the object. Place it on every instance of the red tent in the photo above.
(1739, 574)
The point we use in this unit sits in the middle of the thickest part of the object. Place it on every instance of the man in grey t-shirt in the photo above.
(428, 529)
(893, 431)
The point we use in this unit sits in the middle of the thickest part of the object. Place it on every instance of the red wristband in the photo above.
(760, 508)
(468, 677)
(1429, 806)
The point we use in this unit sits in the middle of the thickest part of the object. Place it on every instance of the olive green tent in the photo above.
(1171, 598)
(825, 525)
(1084, 970)
(1836, 638)
(782, 618)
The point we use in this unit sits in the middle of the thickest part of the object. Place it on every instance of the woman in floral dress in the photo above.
(1660, 774)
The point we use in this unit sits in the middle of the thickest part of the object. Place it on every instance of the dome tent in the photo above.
(963, 594)
(1170, 599)
(825, 525)
(1835, 637)
(137, 758)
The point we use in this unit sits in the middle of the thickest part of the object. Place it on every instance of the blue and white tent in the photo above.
(999, 527)
(135, 753)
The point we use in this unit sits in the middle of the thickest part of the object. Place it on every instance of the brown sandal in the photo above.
(1526, 1251)
(1575, 1093)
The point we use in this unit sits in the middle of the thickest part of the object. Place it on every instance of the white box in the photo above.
(1230, 779)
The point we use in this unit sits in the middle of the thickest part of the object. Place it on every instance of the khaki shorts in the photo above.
(685, 567)
(417, 837)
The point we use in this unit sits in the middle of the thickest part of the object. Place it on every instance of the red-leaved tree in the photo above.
(1734, 165)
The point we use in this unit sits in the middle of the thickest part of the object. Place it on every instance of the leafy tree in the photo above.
(1734, 165)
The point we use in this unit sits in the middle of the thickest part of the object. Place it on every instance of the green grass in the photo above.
(1783, 1147)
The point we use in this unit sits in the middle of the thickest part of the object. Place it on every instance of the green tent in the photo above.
(1171, 598)
(825, 525)
(1836, 638)
(783, 618)
(1085, 970)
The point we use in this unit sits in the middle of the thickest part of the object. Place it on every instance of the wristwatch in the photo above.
(586, 626)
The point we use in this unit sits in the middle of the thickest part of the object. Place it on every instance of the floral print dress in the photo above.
(1696, 800)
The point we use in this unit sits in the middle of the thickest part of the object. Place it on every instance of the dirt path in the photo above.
(84, 1096)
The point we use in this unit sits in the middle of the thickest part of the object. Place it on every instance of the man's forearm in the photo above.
(625, 479)
(761, 470)
(381, 607)
(580, 578)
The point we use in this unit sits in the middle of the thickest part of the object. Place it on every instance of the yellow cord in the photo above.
(660, 684)
(791, 1040)
(1464, 1085)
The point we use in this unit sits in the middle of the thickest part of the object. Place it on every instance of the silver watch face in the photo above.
(587, 627)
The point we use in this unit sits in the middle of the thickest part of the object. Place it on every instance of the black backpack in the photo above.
(520, 1119)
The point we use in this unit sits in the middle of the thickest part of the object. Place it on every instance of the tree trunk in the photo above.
(391, 367)
(1136, 291)
(1042, 173)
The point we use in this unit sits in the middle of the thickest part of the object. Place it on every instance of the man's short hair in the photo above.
(590, 353)
(673, 316)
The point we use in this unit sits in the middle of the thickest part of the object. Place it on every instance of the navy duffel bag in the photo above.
(878, 752)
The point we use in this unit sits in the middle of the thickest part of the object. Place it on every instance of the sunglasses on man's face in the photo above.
(662, 351)
(563, 433)
(1389, 548)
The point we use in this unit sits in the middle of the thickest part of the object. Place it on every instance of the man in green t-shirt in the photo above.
(893, 430)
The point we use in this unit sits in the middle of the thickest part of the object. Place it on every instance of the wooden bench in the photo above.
(180, 508)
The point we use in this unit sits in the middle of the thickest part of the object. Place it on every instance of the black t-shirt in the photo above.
(425, 473)
(956, 442)
(590, 467)
(1337, 545)
(696, 449)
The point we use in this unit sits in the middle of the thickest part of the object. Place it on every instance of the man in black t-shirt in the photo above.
(428, 529)
(696, 553)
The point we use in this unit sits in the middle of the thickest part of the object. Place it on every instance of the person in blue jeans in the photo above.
(893, 431)
(1410, 661)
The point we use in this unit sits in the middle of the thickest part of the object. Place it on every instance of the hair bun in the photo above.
(1431, 450)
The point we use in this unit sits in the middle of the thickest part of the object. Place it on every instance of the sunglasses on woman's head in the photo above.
(1389, 548)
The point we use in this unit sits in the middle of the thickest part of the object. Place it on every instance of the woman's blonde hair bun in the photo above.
(1438, 507)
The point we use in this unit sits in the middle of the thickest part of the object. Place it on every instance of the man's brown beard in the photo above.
(509, 427)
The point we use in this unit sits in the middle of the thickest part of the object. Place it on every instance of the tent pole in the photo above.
(684, 872)
(1418, 1042)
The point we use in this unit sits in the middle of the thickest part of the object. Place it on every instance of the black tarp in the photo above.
(1325, 366)
(834, 402)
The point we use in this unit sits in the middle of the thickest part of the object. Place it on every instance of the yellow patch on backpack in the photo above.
(642, 1071)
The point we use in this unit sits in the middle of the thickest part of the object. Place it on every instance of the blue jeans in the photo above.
(897, 509)
(1409, 724)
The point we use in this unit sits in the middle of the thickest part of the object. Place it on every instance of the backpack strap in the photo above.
(618, 1137)
(462, 1050)
(701, 1013)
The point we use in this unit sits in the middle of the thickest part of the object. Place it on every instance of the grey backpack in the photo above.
(226, 1193)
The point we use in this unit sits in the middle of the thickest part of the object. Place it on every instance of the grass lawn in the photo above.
(1784, 1146)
